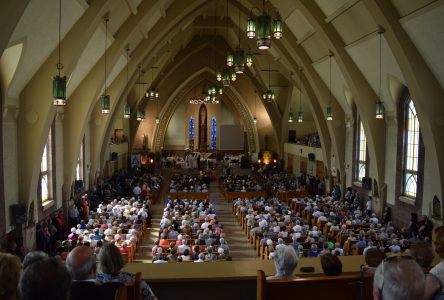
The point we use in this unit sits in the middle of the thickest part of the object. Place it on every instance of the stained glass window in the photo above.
(411, 150)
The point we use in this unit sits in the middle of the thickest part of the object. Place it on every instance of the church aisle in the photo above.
(240, 248)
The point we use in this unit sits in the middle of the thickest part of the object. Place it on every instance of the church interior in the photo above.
(346, 91)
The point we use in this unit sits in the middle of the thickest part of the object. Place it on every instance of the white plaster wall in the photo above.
(227, 117)
(87, 158)
(302, 129)
(348, 154)
(432, 185)
(295, 149)
(175, 133)
(10, 163)
(58, 168)
(390, 161)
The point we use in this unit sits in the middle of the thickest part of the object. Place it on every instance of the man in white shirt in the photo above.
(183, 247)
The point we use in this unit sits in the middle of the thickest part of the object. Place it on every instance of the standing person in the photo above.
(387, 216)
(61, 222)
(425, 228)
(369, 206)
(413, 226)
(84, 204)
(137, 191)
(73, 216)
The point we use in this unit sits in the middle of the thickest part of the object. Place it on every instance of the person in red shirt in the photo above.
(85, 208)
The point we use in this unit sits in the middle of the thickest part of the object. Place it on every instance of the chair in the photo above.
(121, 293)
(133, 290)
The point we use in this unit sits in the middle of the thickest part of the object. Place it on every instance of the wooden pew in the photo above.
(229, 196)
(286, 196)
(188, 195)
(354, 286)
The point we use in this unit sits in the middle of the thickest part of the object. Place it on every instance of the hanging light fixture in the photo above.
(140, 114)
(263, 25)
(105, 96)
(157, 111)
(59, 82)
(249, 59)
(151, 92)
(255, 98)
(239, 54)
(290, 116)
(329, 109)
(300, 112)
(379, 104)
(127, 108)
(268, 95)
(227, 74)
(230, 55)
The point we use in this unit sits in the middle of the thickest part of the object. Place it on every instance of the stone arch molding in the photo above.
(186, 87)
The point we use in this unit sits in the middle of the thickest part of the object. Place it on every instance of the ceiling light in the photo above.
(59, 82)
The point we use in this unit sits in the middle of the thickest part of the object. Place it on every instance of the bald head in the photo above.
(81, 263)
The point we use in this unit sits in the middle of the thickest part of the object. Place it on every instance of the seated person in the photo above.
(201, 258)
(110, 266)
(45, 279)
(33, 257)
(285, 261)
(9, 275)
(398, 278)
(81, 265)
(373, 257)
(186, 255)
(331, 265)
(423, 253)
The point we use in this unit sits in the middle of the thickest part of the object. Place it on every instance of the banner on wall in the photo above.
(135, 160)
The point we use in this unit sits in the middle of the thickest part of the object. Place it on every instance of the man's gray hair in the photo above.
(399, 278)
(33, 257)
(285, 260)
(83, 271)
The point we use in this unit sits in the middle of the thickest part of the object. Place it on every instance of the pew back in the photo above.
(355, 286)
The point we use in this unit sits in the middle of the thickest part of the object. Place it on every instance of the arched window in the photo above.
(80, 162)
(411, 150)
(46, 170)
(361, 153)
(213, 133)
(411, 154)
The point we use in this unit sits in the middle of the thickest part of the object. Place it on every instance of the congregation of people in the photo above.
(87, 261)
(189, 183)
(190, 231)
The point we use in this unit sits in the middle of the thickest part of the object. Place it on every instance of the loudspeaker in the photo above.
(366, 183)
(18, 214)
(311, 157)
(114, 156)
(292, 136)
(78, 186)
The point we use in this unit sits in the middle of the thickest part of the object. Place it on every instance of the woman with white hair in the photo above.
(285, 261)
